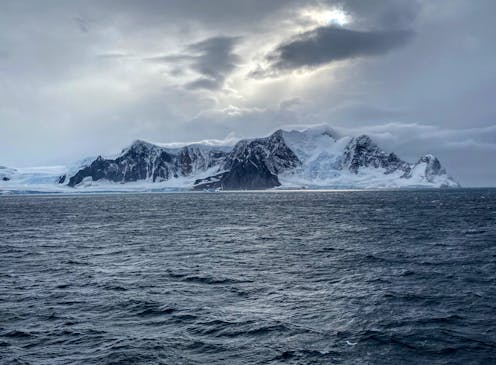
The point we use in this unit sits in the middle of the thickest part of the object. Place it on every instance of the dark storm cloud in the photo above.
(328, 44)
(229, 15)
(205, 83)
(213, 58)
(383, 14)
(216, 60)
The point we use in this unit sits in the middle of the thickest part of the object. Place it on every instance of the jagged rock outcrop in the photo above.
(429, 170)
(432, 166)
(271, 151)
(244, 175)
(253, 164)
(363, 152)
(146, 161)
(313, 157)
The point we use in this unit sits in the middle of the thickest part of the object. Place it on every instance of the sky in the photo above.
(87, 77)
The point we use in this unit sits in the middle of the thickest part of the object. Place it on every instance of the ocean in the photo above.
(344, 277)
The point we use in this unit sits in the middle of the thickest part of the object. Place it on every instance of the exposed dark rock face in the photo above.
(254, 164)
(195, 158)
(433, 165)
(429, 166)
(211, 182)
(363, 152)
(144, 161)
(258, 163)
(250, 175)
(245, 174)
(271, 151)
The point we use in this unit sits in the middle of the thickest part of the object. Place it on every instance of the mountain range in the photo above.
(311, 158)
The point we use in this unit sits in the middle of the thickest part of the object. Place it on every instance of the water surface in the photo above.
(364, 277)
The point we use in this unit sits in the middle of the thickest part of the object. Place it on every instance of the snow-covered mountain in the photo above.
(311, 158)
(143, 161)
(328, 159)
(32, 179)
(321, 158)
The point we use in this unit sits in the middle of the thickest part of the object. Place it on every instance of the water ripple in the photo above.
(379, 277)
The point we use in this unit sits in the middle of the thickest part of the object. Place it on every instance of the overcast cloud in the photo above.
(327, 44)
(79, 78)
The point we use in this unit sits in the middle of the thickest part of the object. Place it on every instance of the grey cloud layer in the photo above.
(76, 77)
(328, 44)
(215, 61)
(212, 58)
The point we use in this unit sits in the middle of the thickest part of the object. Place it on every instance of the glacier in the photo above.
(311, 158)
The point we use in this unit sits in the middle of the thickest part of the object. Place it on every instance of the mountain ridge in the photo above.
(311, 158)
(315, 157)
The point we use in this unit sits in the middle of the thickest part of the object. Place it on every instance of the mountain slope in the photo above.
(146, 161)
(317, 158)
(330, 160)
(312, 158)
(253, 164)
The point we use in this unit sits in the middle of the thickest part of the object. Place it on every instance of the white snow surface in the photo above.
(32, 179)
(44, 180)
(319, 149)
(419, 177)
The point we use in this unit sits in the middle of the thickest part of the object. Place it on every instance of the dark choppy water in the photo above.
(249, 278)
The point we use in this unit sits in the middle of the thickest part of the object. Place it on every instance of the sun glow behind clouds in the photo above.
(325, 17)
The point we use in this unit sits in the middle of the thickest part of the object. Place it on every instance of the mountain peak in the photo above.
(139, 146)
(314, 132)
(428, 158)
(316, 156)
(363, 139)
(141, 142)
(432, 165)
(323, 130)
